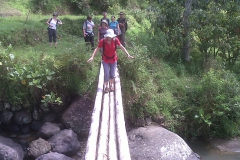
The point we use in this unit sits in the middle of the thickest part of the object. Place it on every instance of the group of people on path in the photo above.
(119, 27)
(111, 35)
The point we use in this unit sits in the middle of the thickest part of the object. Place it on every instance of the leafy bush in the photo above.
(25, 81)
(214, 109)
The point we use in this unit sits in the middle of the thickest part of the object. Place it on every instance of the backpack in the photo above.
(105, 54)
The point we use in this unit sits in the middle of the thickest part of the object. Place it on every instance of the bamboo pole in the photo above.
(112, 130)
(112, 126)
(103, 133)
(123, 146)
(94, 129)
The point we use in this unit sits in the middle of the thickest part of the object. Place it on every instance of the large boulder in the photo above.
(154, 142)
(78, 116)
(54, 156)
(38, 147)
(48, 130)
(65, 142)
(226, 145)
(10, 150)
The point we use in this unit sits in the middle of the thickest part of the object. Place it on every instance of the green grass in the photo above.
(14, 7)
(7, 10)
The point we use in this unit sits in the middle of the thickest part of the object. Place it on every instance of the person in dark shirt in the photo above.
(105, 18)
(123, 27)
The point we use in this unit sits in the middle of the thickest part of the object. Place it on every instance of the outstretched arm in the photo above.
(124, 50)
(94, 53)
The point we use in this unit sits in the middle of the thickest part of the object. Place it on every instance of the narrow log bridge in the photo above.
(107, 138)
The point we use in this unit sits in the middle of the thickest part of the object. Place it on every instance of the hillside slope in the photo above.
(7, 10)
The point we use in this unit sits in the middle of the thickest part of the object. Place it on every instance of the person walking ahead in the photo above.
(52, 29)
(123, 27)
(88, 33)
(105, 18)
(109, 58)
(102, 30)
(114, 25)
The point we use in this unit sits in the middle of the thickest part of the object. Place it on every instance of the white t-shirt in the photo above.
(53, 24)
(88, 26)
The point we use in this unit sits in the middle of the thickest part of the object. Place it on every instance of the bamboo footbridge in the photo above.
(107, 138)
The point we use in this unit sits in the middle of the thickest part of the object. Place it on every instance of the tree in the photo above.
(186, 32)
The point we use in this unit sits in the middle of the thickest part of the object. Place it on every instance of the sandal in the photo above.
(106, 90)
(111, 88)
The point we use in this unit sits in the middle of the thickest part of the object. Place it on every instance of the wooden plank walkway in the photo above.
(107, 138)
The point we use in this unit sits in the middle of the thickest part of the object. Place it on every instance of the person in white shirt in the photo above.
(88, 33)
(52, 29)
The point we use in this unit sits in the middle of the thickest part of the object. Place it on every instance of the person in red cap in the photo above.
(109, 58)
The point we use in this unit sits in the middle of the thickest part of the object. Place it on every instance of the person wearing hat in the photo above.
(109, 57)
(88, 33)
(52, 29)
(123, 27)
(102, 30)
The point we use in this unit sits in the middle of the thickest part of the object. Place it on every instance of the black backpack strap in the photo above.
(57, 22)
(85, 23)
(49, 22)
(103, 47)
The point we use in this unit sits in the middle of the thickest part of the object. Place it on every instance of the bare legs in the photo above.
(111, 83)
(55, 44)
(109, 74)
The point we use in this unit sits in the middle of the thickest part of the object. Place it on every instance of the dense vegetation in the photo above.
(185, 68)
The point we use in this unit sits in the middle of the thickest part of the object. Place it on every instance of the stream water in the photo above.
(207, 152)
